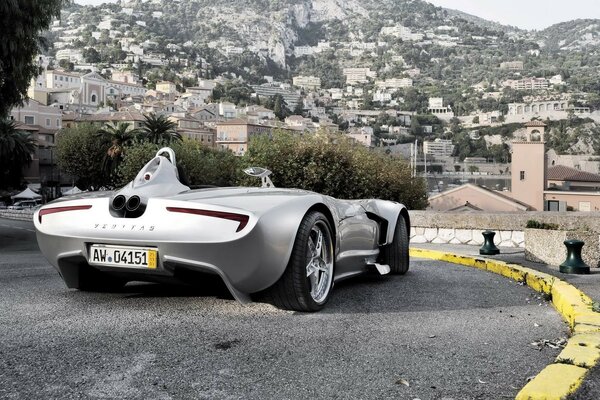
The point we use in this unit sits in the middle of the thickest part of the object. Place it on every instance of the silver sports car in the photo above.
(288, 244)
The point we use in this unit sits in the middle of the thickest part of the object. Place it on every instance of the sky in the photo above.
(525, 14)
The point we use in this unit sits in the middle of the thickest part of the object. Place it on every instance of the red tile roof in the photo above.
(563, 173)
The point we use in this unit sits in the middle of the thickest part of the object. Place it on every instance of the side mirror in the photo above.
(261, 173)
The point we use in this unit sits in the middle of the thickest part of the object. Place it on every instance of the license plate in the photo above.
(123, 256)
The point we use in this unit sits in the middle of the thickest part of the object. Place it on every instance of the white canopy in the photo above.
(73, 190)
(27, 194)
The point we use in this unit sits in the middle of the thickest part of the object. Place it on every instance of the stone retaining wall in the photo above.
(542, 246)
(22, 215)
(464, 236)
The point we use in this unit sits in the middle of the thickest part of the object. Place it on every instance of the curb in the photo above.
(582, 352)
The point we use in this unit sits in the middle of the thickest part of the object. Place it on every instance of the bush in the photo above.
(334, 166)
(201, 165)
(532, 223)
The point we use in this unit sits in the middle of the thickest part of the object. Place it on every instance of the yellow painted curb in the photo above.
(582, 351)
(555, 382)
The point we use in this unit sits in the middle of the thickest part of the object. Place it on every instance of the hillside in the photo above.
(443, 51)
(572, 35)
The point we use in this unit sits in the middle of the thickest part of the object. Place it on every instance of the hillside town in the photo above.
(100, 71)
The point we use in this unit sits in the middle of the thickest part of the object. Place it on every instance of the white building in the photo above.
(527, 84)
(71, 55)
(436, 107)
(438, 147)
(358, 75)
(395, 83)
(307, 82)
(59, 79)
(382, 96)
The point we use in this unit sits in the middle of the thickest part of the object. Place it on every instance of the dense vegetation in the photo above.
(328, 164)
(333, 165)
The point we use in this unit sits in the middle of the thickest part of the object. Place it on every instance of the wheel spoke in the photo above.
(319, 245)
(314, 282)
(311, 247)
(311, 268)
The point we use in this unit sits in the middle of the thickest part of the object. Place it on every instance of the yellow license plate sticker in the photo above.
(152, 259)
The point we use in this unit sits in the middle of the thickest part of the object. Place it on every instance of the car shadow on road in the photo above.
(208, 286)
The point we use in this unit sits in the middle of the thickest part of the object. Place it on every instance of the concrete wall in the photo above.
(540, 245)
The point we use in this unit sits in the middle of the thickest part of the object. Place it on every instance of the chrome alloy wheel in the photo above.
(319, 269)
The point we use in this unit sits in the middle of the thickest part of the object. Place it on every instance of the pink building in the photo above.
(534, 185)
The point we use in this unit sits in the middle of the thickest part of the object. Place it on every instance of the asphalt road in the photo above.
(440, 332)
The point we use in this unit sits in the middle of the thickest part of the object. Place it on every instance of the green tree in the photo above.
(80, 152)
(158, 129)
(16, 148)
(91, 55)
(114, 137)
(66, 65)
(299, 109)
(20, 24)
(280, 107)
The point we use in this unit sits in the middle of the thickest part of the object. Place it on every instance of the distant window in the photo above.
(29, 120)
(553, 205)
(522, 175)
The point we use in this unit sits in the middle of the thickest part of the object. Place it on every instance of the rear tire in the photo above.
(306, 283)
(395, 254)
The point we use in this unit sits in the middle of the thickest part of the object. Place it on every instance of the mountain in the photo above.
(572, 35)
(445, 51)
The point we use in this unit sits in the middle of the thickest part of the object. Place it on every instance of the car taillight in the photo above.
(54, 210)
(241, 218)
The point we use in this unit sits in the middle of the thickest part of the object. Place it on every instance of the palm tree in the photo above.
(158, 129)
(16, 148)
(114, 137)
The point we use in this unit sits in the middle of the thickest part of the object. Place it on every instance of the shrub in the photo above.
(200, 165)
(532, 223)
(332, 165)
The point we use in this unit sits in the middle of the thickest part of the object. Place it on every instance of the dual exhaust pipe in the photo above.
(131, 204)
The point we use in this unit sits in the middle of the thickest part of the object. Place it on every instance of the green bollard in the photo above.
(574, 264)
(488, 248)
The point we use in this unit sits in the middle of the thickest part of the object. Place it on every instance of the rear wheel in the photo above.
(395, 254)
(306, 283)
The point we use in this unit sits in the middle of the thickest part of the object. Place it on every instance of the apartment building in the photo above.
(394, 83)
(527, 84)
(235, 135)
(307, 82)
(358, 75)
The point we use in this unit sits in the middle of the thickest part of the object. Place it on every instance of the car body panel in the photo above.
(249, 260)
